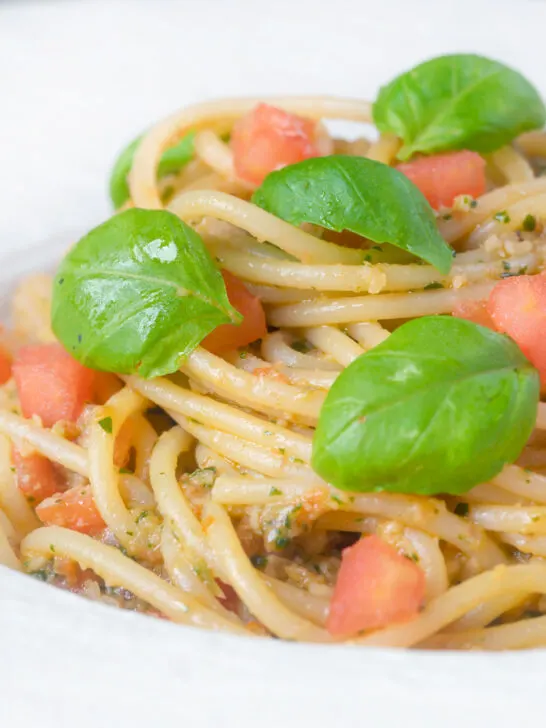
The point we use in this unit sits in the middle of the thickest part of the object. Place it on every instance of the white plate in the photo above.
(78, 80)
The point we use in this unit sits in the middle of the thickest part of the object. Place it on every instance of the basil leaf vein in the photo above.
(357, 194)
(172, 160)
(138, 294)
(440, 406)
(460, 101)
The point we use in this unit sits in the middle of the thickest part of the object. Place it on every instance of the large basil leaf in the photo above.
(460, 101)
(357, 194)
(438, 407)
(173, 160)
(138, 294)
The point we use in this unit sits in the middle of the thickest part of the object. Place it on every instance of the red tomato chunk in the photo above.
(517, 307)
(475, 311)
(5, 366)
(252, 327)
(74, 509)
(267, 139)
(51, 384)
(376, 586)
(36, 476)
(443, 177)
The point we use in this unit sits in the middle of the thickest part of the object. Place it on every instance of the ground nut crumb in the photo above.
(518, 248)
(459, 281)
(493, 244)
(463, 203)
(378, 282)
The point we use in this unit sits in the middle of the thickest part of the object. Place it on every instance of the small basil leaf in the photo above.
(138, 294)
(357, 194)
(438, 407)
(461, 101)
(173, 160)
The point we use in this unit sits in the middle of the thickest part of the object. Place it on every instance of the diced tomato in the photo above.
(253, 326)
(518, 308)
(442, 177)
(267, 139)
(36, 476)
(74, 509)
(51, 383)
(376, 586)
(475, 311)
(5, 365)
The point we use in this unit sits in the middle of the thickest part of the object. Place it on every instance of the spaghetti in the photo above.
(193, 495)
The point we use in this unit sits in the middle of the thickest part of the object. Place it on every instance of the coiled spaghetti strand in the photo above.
(250, 587)
(221, 416)
(458, 600)
(104, 478)
(119, 570)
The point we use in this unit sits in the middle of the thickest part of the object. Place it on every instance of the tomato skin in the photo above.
(442, 177)
(5, 365)
(475, 311)
(376, 586)
(232, 336)
(517, 307)
(74, 509)
(51, 384)
(36, 476)
(268, 138)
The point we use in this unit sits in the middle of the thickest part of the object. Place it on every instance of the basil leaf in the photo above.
(173, 160)
(137, 294)
(360, 195)
(438, 407)
(461, 101)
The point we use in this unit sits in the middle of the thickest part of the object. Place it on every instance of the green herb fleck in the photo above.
(242, 355)
(275, 491)
(259, 561)
(337, 499)
(141, 515)
(126, 471)
(106, 424)
(473, 203)
(461, 509)
(447, 217)
(432, 286)
(301, 346)
(502, 216)
(41, 575)
(52, 548)
(529, 223)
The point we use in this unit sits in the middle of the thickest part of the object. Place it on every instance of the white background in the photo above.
(78, 79)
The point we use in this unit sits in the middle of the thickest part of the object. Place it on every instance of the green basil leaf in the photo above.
(461, 101)
(357, 194)
(138, 294)
(173, 160)
(438, 407)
